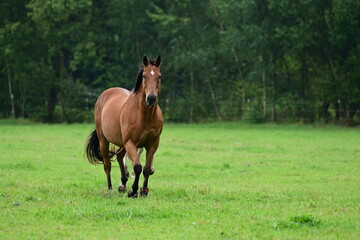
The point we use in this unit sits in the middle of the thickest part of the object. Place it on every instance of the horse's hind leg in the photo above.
(104, 150)
(124, 174)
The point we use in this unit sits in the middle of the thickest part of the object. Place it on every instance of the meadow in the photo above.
(211, 181)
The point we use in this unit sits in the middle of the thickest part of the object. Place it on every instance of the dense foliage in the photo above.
(262, 60)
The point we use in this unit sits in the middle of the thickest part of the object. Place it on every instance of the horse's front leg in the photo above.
(131, 151)
(148, 169)
(124, 175)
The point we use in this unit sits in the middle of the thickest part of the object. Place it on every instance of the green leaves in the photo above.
(230, 60)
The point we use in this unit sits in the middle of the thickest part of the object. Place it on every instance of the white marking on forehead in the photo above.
(152, 72)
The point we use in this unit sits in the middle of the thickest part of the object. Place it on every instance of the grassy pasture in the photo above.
(212, 181)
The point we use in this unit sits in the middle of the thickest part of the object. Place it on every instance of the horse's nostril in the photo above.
(151, 99)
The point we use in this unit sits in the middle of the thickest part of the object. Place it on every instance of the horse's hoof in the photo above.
(122, 188)
(132, 194)
(144, 192)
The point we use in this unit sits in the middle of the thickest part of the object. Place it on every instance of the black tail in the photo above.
(92, 149)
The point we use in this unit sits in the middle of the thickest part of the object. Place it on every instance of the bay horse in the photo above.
(130, 120)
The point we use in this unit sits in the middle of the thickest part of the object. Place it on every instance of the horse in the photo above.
(131, 120)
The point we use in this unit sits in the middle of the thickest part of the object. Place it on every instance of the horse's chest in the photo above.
(147, 136)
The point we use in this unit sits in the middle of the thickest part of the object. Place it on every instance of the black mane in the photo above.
(138, 80)
(139, 76)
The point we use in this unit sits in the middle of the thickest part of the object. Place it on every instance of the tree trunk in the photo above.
(54, 87)
(213, 98)
(63, 116)
(191, 119)
(242, 80)
(51, 103)
(338, 113)
(350, 113)
(264, 94)
(273, 110)
(10, 88)
(324, 113)
(330, 62)
(22, 91)
(235, 55)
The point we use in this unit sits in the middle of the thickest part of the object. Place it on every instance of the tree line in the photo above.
(259, 60)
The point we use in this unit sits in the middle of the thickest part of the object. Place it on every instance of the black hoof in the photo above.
(144, 192)
(122, 188)
(132, 194)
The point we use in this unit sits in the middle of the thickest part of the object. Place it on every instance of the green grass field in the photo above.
(212, 181)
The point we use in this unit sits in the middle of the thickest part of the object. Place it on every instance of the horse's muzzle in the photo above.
(150, 100)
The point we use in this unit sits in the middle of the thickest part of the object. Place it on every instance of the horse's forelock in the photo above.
(153, 62)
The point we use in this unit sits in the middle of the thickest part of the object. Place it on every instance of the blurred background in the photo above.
(254, 60)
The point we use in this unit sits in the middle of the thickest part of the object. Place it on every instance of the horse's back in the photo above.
(112, 100)
(107, 113)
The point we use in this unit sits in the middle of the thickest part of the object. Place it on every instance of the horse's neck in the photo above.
(145, 112)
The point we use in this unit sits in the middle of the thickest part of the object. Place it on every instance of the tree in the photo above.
(268, 60)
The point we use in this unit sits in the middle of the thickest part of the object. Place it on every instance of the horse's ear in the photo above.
(145, 61)
(158, 61)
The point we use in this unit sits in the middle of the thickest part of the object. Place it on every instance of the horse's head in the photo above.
(151, 80)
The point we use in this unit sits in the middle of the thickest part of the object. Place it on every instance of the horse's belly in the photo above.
(115, 138)
(111, 130)
(110, 116)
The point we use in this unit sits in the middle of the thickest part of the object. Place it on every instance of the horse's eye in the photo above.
(143, 76)
(160, 78)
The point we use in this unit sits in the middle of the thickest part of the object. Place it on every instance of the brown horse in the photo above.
(130, 120)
